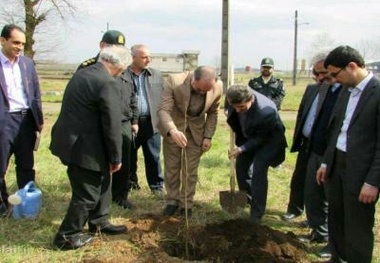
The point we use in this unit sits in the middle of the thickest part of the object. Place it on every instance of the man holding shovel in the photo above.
(260, 141)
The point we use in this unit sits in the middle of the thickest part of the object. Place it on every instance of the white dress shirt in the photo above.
(15, 89)
(356, 93)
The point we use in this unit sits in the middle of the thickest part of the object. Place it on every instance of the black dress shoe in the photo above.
(314, 237)
(108, 229)
(289, 217)
(170, 210)
(189, 213)
(325, 252)
(72, 242)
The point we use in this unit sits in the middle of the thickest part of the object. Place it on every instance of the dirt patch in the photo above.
(156, 238)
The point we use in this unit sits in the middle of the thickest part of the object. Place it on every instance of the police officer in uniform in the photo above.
(111, 37)
(267, 84)
(120, 179)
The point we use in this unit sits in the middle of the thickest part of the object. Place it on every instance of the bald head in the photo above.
(204, 79)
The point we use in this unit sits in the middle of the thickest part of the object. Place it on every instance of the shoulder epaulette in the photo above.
(88, 62)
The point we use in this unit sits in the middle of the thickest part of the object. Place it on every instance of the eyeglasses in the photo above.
(335, 74)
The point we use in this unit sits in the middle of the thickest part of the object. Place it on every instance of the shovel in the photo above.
(232, 201)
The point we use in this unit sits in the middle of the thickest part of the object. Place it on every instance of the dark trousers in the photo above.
(350, 222)
(17, 136)
(316, 204)
(297, 183)
(120, 179)
(252, 177)
(90, 200)
(151, 146)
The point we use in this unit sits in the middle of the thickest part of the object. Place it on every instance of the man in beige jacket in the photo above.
(187, 119)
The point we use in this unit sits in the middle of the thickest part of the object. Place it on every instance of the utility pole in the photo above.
(295, 49)
(296, 24)
(225, 65)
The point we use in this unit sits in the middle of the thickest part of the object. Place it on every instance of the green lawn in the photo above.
(30, 240)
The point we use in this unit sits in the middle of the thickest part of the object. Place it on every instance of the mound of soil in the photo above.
(172, 240)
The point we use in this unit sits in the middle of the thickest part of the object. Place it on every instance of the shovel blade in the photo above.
(232, 202)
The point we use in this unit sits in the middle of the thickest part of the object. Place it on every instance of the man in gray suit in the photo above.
(87, 138)
(351, 164)
(148, 87)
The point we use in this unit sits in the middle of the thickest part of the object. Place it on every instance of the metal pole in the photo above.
(225, 65)
(295, 49)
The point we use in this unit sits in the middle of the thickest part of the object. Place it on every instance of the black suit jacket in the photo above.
(263, 127)
(363, 138)
(303, 110)
(32, 90)
(88, 130)
(129, 99)
(312, 90)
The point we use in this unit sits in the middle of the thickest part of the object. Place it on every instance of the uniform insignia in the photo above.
(120, 40)
(88, 62)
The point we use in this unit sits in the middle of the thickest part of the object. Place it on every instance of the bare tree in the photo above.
(321, 42)
(369, 48)
(35, 15)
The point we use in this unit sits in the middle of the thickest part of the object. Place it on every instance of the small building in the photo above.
(373, 66)
(172, 63)
(166, 63)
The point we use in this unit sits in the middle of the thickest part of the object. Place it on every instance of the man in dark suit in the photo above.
(351, 164)
(314, 135)
(300, 143)
(87, 138)
(21, 117)
(310, 140)
(260, 141)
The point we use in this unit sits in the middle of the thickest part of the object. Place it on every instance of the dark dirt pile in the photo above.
(156, 239)
(230, 241)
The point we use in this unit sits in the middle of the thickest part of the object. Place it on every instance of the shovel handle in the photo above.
(232, 162)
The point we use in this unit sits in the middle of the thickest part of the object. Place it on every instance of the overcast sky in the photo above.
(258, 28)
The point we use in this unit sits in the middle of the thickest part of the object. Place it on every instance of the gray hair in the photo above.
(319, 57)
(136, 48)
(239, 93)
(116, 55)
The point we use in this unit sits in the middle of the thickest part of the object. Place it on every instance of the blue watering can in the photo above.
(31, 201)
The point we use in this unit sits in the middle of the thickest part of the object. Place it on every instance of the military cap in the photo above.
(113, 37)
(267, 62)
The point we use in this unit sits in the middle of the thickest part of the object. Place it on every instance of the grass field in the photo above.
(30, 240)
